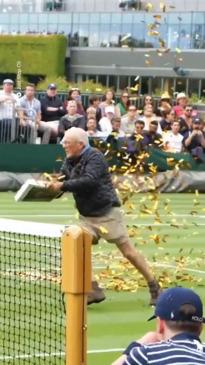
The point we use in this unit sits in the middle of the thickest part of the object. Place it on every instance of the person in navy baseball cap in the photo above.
(176, 338)
(52, 86)
(170, 305)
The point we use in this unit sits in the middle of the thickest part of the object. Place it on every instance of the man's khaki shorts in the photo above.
(110, 227)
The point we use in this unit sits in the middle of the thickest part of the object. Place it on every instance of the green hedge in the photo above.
(34, 55)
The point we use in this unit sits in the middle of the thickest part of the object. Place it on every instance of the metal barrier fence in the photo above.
(12, 132)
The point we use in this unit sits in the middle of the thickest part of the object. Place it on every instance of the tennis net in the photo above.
(32, 317)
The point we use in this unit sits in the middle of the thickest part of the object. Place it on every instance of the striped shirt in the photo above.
(179, 350)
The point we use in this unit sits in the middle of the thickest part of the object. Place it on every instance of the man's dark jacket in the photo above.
(67, 123)
(88, 178)
(54, 102)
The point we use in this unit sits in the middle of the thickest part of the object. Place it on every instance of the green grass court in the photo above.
(168, 229)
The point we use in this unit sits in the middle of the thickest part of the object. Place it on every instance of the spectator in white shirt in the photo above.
(8, 102)
(173, 139)
(128, 121)
(105, 122)
(29, 111)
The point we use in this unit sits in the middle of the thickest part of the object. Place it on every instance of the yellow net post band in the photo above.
(76, 284)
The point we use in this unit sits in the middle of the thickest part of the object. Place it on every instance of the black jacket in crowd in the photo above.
(66, 123)
(54, 102)
(88, 178)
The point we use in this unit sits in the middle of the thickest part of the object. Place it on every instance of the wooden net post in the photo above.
(76, 284)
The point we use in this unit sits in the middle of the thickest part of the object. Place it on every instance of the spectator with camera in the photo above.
(75, 94)
(108, 100)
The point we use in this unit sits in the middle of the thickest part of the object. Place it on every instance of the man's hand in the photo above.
(150, 337)
(55, 186)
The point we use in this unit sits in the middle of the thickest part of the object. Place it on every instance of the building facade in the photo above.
(113, 42)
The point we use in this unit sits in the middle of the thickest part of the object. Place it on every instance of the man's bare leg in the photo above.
(140, 263)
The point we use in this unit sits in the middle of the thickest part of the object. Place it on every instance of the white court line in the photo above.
(55, 354)
(104, 267)
(158, 265)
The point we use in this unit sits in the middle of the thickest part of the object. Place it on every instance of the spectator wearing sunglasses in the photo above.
(124, 103)
(186, 120)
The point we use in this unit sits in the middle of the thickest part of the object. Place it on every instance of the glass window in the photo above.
(144, 85)
(83, 18)
(104, 35)
(127, 29)
(42, 27)
(102, 79)
(4, 18)
(33, 27)
(23, 18)
(43, 18)
(4, 28)
(94, 35)
(203, 88)
(185, 37)
(53, 18)
(127, 18)
(23, 28)
(156, 86)
(64, 18)
(116, 18)
(179, 18)
(80, 78)
(83, 35)
(115, 31)
(33, 18)
(172, 36)
(94, 18)
(198, 36)
(75, 36)
(193, 86)
(14, 20)
(168, 84)
(138, 34)
(76, 18)
(112, 82)
(163, 33)
(123, 82)
(52, 28)
(180, 85)
(92, 77)
(105, 18)
(65, 28)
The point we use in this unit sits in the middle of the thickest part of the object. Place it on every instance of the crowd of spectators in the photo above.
(171, 126)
